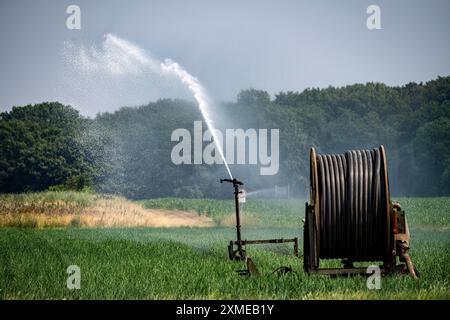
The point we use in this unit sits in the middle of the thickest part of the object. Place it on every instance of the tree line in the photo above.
(51, 146)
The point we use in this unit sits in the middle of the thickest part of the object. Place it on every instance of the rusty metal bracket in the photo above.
(236, 254)
(402, 238)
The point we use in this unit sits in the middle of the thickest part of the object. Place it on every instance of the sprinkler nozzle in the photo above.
(234, 181)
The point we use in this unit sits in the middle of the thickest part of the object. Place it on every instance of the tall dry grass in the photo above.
(74, 209)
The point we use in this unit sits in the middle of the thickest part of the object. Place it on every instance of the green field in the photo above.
(192, 263)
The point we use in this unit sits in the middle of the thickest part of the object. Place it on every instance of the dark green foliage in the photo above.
(129, 151)
(40, 147)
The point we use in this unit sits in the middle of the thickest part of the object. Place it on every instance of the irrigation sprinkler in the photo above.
(351, 216)
(239, 253)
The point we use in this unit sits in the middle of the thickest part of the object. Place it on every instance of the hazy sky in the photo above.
(227, 45)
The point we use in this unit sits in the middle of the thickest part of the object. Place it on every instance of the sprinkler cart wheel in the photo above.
(237, 255)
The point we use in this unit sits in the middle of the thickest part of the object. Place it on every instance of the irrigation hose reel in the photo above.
(350, 215)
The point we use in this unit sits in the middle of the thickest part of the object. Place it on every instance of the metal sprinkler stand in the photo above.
(239, 253)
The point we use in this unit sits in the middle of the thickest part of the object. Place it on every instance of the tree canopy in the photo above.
(128, 151)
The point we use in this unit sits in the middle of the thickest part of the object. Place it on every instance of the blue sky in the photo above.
(228, 45)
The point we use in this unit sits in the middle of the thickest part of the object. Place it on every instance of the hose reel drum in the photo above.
(351, 216)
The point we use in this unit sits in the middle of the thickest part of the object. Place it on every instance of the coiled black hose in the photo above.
(353, 211)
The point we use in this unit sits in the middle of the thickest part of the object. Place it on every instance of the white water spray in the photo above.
(119, 58)
(200, 96)
(265, 192)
